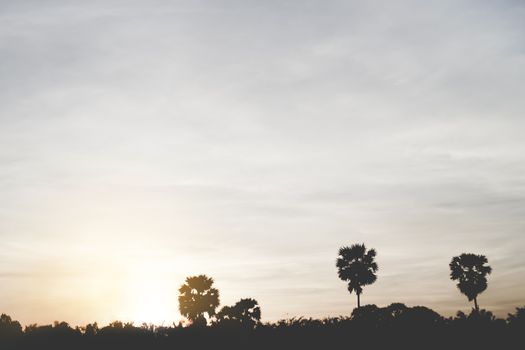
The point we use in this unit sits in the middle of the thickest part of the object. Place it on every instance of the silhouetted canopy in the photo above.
(197, 298)
(9, 327)
(471, 273)
(357, 266)
(245, 312)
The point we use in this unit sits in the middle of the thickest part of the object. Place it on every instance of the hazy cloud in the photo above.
(249, 140)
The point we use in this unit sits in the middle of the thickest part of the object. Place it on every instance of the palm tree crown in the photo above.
(471, 273)
(357, 266)
(197, 297)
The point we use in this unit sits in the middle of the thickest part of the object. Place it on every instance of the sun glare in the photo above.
(151, 297)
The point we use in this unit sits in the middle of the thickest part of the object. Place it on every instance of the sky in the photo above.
(142, 142)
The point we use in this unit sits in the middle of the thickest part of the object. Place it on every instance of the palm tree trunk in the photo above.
(476, 304)
(358, 300)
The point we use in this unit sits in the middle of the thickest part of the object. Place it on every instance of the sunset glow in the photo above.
(142, 142)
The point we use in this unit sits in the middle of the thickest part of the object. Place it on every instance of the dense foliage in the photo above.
(371, 327)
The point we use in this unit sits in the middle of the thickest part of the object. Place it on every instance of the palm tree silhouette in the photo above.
(357, 266)
(471, 273)
(197, 298)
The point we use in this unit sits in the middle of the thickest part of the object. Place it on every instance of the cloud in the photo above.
(250, 140)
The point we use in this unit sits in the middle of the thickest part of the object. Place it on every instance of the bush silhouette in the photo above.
(419, 316)
(90, 329)
(370, 316)
(245, 313)
(517, 319)
(396, 314)
(8, 327)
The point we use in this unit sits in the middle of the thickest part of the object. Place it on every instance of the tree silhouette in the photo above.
(9, 327)
(471, 273)
(517, 319)
(357, 266)
(245, 312)
(197, 298)
(90, 329)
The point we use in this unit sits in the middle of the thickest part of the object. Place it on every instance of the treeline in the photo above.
(369, 325)
(239, 326)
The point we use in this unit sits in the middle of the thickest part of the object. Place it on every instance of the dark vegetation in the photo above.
(470, 270)
(369, 327)
(239, 326)
(357, 266)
